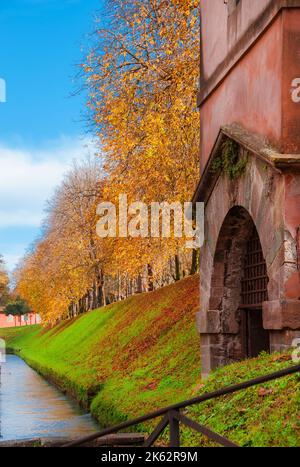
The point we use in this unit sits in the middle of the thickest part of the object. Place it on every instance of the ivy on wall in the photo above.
(230, 162)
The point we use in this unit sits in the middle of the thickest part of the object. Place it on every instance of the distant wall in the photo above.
(11, 321)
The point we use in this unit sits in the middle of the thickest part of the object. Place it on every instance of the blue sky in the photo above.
(41, 125)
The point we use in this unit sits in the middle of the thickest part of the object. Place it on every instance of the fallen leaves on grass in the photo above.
(262, 392)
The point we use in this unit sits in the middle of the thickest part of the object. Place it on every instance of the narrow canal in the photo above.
(30, 407)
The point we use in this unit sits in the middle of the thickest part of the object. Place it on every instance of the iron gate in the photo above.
(255, 277)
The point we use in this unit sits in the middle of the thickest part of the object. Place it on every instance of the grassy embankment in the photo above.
(138, 355)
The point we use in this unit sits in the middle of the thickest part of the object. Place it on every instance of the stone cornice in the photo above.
(255, 145)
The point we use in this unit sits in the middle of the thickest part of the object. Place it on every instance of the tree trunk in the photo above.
(139, 284)
(103, 293)
(150, 278)
(195, 262)
(94, 296)
(177, 268)
(119, 287)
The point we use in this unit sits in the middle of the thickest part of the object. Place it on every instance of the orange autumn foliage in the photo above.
(141, 74)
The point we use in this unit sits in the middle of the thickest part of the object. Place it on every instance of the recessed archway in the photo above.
(238, 289)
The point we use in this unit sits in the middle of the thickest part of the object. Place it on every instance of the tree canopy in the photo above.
(17, 307)
(141, 73)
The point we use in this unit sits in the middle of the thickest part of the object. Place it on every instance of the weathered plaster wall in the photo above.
(251, 94)
(292, 226)
(260, 91)
(290, 71)
(250, 75)
(221, 31)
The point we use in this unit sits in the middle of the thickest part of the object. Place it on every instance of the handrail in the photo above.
(169, 412)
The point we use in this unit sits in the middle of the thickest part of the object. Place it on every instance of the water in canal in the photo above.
(30, 407)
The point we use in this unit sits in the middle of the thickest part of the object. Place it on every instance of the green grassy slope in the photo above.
(138, 355)
(134, 351)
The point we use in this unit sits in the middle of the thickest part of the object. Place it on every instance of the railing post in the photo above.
(174, 431)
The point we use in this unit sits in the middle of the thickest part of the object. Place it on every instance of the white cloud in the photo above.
(28, 178)
(11, 260)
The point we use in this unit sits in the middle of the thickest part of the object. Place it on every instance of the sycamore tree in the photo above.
(63, 274)
(142, 74)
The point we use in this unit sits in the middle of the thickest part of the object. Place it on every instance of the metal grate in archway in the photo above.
(255, 278)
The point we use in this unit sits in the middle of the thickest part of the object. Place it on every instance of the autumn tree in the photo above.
(142, 75)
(63, 274)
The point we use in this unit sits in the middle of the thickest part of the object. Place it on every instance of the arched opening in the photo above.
(238, 290)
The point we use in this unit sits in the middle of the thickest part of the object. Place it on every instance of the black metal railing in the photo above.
(173, 417)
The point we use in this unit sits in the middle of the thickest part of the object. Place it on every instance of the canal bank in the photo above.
(121, 359)
(32, 408)
(143, 353)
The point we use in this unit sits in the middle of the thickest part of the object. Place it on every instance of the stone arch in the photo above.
(228, 265)
(268, 198)
(225, 325)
